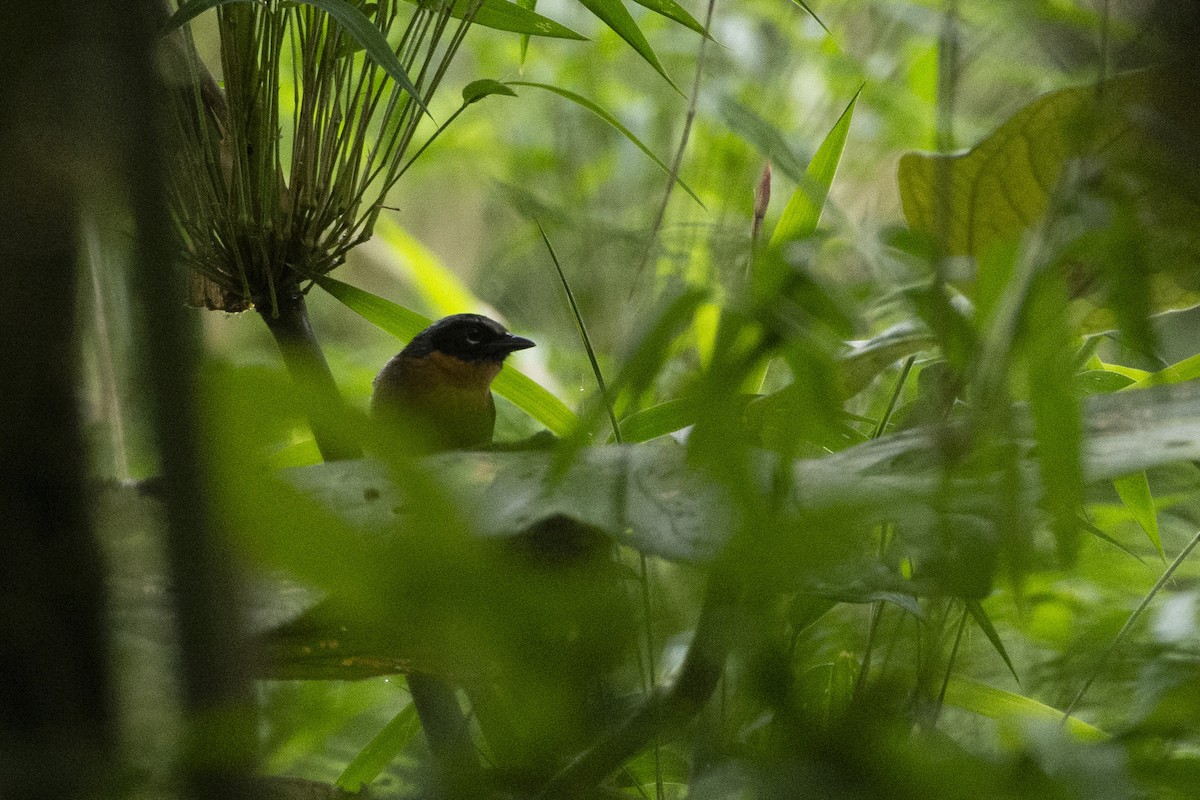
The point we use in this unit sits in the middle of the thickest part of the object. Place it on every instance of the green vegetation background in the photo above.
(848, 682)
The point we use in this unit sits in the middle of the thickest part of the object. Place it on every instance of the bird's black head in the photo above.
(467, 337)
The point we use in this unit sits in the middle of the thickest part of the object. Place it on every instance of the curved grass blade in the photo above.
(1186, 370)
(810, 12)
(520, 390)
(803, 209)
(604, 114)
(441, 290)
(614, 14)
(673, 11)
(989, 630)
(381, 750)
(583, 334)
(659, 420)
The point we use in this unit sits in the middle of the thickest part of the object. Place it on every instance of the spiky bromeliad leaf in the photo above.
(353, 22)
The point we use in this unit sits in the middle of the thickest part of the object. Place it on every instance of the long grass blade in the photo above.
(583, 335)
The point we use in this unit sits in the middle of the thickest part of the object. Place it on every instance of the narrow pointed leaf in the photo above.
(604, 114)
(614, 14)
(672, 10)
(366, 33)
(1186, 370)
(381, 750)
(659, 420)
(529, 5)
(475, 91)
(810, 12)
(439, 288)
(989, 630)
(1134, 491)
(803, 210)
(520, 390)
(502, 15)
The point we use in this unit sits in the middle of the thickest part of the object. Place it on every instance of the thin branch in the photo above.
(677, 162)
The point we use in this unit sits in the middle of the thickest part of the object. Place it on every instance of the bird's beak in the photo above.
(510, 344)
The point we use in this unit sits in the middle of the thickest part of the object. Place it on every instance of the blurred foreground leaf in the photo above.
(649, 498)
(988, 701)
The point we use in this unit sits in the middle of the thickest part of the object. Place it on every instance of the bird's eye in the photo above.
(474, 335)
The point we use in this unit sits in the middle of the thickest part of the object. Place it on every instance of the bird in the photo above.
(537, 615)
(438, 388)
(437, 393)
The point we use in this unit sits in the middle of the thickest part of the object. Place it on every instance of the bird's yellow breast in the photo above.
(446, 398)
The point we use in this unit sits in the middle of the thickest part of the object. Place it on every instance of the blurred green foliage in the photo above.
(924, 492)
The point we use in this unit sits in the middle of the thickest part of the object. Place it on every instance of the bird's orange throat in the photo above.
(450, 372)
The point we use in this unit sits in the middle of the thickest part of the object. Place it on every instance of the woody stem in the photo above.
(289, 324)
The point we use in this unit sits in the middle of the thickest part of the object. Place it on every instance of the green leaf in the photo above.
(1055, 406)
(439, 288)
(1001, 186)
(381, 750)
(614, 122)
(988, 701)
(475, 91)
(989, 630)
(803, 210)
(614, 14)
(858, 367)
(649, 496)
(529, 5)
(1186, 370)
(194, 8)
(659, 420)
(502, 15)
(1100, 381)
(1134, 491)
(672, 10)
(521, 391)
